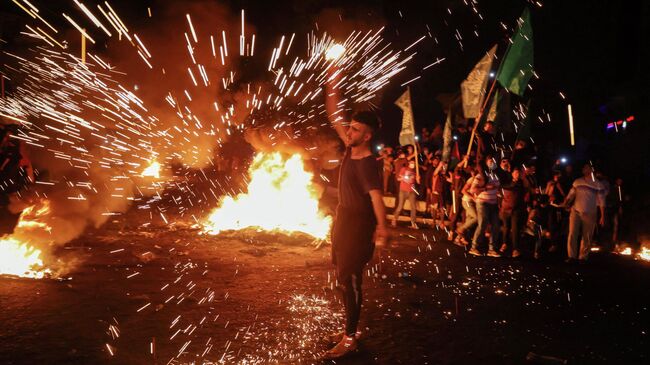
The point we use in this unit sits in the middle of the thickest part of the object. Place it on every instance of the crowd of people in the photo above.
(495, 203)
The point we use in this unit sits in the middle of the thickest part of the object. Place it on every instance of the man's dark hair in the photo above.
(368, 118)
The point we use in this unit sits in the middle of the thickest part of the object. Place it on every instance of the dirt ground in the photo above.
(145, 292)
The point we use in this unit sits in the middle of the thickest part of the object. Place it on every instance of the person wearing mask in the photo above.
(485, 187)
(587, 196)
(408, 181)
(512, 213)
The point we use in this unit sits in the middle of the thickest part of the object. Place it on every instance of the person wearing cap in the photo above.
(360, 212)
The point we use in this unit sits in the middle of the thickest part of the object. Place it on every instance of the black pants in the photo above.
(352, 297)
(352, 248)
(511, 223)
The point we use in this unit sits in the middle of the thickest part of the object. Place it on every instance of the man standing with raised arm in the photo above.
(360, 211)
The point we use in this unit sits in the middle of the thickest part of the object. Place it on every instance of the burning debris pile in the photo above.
(18, 256)
(101, 125)
(281, 197)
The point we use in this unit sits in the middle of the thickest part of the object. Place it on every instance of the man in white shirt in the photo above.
(588, 196)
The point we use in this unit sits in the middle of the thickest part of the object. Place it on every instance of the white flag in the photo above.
(407, 134)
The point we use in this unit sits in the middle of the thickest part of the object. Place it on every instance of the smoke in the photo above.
(304, 129)
(196, 87)
(90, 130)
(318, 148)
(93, 128)
(60, 213)
(87, 139)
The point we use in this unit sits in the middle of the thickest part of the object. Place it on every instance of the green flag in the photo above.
(499, 112)
(473, 88)
(517, 65)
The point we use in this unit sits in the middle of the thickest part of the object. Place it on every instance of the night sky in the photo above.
(591, 51)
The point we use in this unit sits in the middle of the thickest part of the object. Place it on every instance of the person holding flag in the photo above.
(409, 176)
(514, 73)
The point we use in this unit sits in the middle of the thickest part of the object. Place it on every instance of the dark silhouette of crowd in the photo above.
(501, 201)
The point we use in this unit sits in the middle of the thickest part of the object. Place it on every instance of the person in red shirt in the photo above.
(408, 181)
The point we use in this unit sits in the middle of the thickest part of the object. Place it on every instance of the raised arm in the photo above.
(333, 103)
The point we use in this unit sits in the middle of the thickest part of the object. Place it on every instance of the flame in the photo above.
(20, 259)
(17, 257)
(644, 254)
(334, 52)
(280, 197)
(153, 170)
(627, 251)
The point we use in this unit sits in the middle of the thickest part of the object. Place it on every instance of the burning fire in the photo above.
(627, 251)
(20, 259)
(280, 197)
(644, 253)
(17, 257)
(153, 170)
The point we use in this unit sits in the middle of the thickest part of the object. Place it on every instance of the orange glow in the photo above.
(17, 256)
(334, 52)
(153, 170)
(281, 197)
(627, 251)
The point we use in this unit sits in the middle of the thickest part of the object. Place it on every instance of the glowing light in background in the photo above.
(334, 52)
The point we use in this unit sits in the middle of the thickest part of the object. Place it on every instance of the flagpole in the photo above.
(83, 48)
(478, 119)
(415, 143)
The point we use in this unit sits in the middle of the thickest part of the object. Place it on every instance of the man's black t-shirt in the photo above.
(353, 229)
(356, 179)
